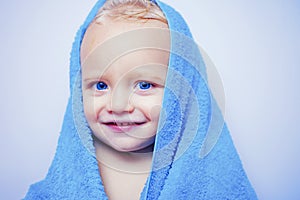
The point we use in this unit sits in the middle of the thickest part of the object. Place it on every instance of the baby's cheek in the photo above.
(154, 112)
(157, 106)
(89, 109)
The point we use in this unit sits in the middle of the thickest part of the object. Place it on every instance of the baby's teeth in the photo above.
(124, 124)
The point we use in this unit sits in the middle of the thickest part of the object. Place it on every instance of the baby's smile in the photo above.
(122, 125)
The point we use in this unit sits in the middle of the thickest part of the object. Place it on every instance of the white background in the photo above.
(254, 45)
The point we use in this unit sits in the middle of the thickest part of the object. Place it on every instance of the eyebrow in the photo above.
(90, 79)
(137, 76)
(139, 71)
(143, 76)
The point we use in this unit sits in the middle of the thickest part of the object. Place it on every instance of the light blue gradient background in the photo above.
(255, 46)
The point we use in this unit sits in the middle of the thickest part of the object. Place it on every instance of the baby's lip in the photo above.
(123, 123)
(122, 126)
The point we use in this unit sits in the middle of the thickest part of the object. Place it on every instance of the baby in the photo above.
(122, 94)
(141, 122)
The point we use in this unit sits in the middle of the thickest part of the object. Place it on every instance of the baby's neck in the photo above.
(123, 174)
(128, 162)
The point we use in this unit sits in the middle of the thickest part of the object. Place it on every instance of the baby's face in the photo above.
(122, 94)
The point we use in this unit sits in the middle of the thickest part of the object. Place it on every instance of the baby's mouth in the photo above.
(122, 127)
(123, 123)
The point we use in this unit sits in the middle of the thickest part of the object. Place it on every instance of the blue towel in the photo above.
(194, 156)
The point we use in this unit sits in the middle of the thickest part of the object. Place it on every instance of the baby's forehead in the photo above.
(119, 33)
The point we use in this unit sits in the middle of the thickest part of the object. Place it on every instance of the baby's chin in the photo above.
(140, 148)
(146, 149)
(125, 145)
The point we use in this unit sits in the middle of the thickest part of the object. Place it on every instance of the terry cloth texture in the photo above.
(194, 156)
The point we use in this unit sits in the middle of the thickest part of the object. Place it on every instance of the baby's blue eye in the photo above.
(101, 86)
(144, 85)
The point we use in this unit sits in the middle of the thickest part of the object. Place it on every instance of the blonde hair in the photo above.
(139, 10)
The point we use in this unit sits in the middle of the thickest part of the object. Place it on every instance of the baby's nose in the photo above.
(119, 101)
